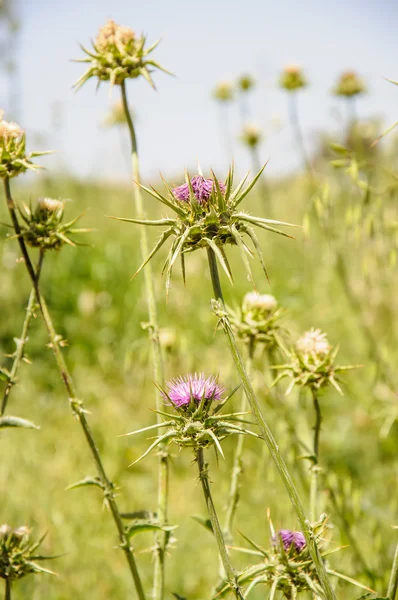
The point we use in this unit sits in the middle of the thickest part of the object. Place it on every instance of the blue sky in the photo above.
(201, 43)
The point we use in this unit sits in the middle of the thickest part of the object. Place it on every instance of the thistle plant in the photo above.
(18, 556)
(350, 86)
(292, 80)
(199, 424)
(120, 55)
(207, 217)
(286, 566)
(312, 365)
(56, 343)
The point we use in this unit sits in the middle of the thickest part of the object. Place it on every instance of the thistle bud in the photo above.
(251, 136)
(18, 556)
(224, 91)
(246, 83)
(258, 303)
(13, 157)
(292, 78)
(313, 345)
(118, 54)
(257, 321)
(349, 85)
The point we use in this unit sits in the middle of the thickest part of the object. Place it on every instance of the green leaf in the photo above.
(144, 527)
(5, 374)
(339, 149)
(140, 514)
(206, 523)
(86, 481)
(16, 422)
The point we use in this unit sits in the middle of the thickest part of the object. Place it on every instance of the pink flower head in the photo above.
(202, 189)
(292, 538)
(182, 390)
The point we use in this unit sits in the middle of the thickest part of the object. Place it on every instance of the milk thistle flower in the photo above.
(312, 363)
(197, 400)
(118, 54)
(207, 217)
(44, 227)
(349, 84)
(292, 540)
(292, 78)
(14, 159)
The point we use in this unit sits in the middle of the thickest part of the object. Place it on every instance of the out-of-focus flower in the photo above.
(313, 342)
(251, 135)
(118, 54)
(224, 91)
(246, 82)
(292, 78)
(349, 84)
(116, 115)
(292, 539)
(18, 556)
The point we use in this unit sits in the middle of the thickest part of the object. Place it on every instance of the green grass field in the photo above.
(100, 311)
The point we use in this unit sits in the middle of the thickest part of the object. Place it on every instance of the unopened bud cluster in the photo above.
(292, 78)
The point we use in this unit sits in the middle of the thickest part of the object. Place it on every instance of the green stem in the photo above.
(315, 466)
(7, 595)
(229, 571)
(233, 496)
(157, 361)
(393, 583)
(296, 126)
(76, 404)
(21, 342)
(266, 432)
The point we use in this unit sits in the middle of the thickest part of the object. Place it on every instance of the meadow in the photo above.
(338, 274)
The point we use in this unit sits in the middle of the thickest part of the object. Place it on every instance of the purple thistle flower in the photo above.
(201, 187)
(292, 538)
(181, 390)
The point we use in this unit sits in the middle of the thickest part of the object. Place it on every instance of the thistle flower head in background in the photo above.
(251, 135)
(257, 321)
(118, 54)
(246, 82)
(224, 91)
(13, 157)
(196, 421)
(18, 555)
(312, 363)
(349, 84)
(43, 225)
(116, 115)
(207, 216)
(292, 78)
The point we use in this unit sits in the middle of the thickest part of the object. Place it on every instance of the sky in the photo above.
(202, 43)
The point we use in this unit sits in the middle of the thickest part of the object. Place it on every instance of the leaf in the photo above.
(86, 481)
(17, 422)
(339, 149)
(206, 523)
(143, 527)
(140, 514)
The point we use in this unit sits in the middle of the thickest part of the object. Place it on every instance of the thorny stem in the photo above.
(229, 571)
(21, 342)
(233, 496)
(158, 368)
(7, 595)
(315, 465)
(76, 404)
(393, 583)
(295, 123)
(267, 434)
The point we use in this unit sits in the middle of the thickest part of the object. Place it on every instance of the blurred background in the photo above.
(339, 274)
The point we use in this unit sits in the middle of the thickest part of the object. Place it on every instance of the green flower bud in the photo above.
(292, 78)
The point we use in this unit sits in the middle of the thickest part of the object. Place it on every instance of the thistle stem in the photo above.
(296, 126)
(157, 361)
(21, 342)
(7, 595)
(233, 496)
(393, 583)
(76, 404)
(229, 571)
(266, 432)
(315, 466)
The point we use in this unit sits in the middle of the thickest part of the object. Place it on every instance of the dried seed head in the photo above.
(349, 84)
(292, 78)
(9, 130)
(313, 342)
(253, 301)
(50, 205)
(112, 35)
